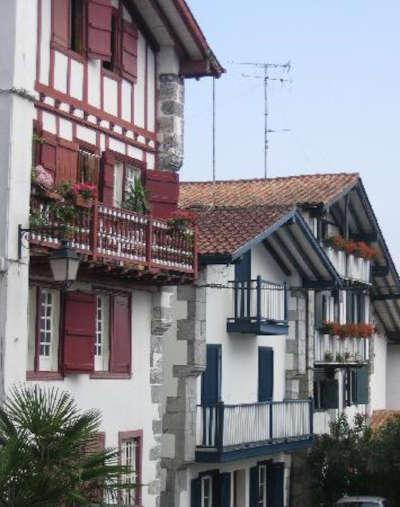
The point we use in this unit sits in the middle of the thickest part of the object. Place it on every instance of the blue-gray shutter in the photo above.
(211, 380)
(243, 268)
(195, 493)
(265, 373)
(254, 487)
(330, 393)
(225, 489)
(277, 484)
(362, 385)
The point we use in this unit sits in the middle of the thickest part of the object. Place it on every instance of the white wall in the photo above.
(240, 350)
(125, 404)
(378, 377)
(393, 377)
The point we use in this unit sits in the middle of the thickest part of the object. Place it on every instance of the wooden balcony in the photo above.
(349, 266)
(259, 307)
(114, 237)
(231, 432)
(333, 350)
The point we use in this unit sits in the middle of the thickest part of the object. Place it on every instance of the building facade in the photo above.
(91, 139)
(293, 295)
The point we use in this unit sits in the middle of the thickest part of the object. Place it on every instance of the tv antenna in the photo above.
(266, 67)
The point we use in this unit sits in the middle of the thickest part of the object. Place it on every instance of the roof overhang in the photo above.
(293, 247)
(363, 225)
(171, 23)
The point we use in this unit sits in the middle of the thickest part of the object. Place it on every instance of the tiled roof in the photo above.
(290, 191)
(224, 230)
(381, 417)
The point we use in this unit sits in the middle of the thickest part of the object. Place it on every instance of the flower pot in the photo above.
(81, 202)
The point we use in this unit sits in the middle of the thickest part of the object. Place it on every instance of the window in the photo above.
(112, 64)
(44, 316)
(206, 491)
(356, 382)
(124, 179)
(101, 345)
(262, 486)
(130, 455)
(76, 24)
(326, 390)
(96, 331)
(355, 307)
(88, 167)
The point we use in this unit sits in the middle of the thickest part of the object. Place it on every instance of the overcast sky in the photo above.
(343, 107)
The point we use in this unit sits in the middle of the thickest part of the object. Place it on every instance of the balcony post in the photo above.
(285, 302)
(271, 423)
(95, 227)
(149, 241)
(219, 436)
(311, 408)
(258, 300)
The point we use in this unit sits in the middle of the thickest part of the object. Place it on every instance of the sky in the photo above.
(342, 107)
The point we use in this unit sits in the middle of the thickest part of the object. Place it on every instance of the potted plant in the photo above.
(43, 180)
(328, 357)
(181, 220)
(136, 199)
(83, 194)
(339, 358)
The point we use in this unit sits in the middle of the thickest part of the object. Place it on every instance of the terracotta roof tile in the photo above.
(289, 191)
(223, 230)
(380, 417)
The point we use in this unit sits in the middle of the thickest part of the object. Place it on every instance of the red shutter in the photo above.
(79, 332)
(107, 178)
(120, 358)
(99, 13)
(48, 152)
(60, 22)
(163, 187)
(67, 161)
(129, 51)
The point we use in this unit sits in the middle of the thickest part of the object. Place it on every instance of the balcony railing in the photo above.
(230, 431)
(259, 307)
(333, 349)
(350, 266)
(114, 235)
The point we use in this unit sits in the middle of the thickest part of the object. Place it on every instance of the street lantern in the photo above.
(64, 263)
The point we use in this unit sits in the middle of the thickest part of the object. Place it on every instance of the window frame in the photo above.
(203, 480)
(125, 160)
(82, 27)
(36, 373)
(137, 435)
(108, 374)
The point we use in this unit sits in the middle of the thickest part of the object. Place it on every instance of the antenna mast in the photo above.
(286, 67)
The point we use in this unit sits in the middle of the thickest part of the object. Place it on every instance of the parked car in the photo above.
(362, 501)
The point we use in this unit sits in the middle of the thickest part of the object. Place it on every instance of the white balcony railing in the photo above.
(333, 349)
(226, 426)
(350, 266)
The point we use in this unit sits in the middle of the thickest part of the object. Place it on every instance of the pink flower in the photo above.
(43, 177)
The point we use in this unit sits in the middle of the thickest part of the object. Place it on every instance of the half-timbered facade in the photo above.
(312, 286)
(91, 139)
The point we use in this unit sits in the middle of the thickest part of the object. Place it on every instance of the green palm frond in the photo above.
(48, 454)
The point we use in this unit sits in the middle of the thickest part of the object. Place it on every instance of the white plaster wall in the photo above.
(125, 404)
(393, 377)
(17, 70)
(378, 377)
(45, 42)
(139, 88)
(240, 351)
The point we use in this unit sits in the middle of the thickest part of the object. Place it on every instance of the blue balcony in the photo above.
(259, 307)
(232, 432)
